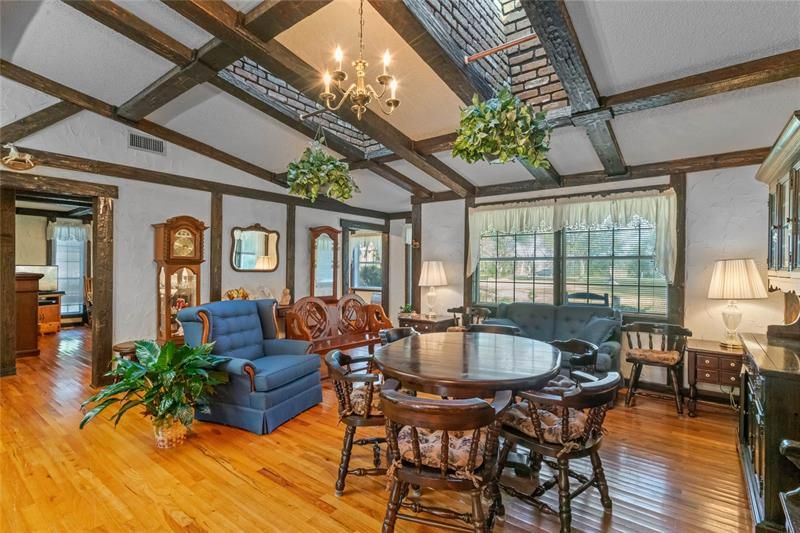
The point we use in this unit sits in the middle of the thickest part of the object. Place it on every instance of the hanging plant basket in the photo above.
(502, 129)
(317, 172)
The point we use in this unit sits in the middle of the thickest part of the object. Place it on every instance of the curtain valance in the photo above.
(68, 231)
(583, 213)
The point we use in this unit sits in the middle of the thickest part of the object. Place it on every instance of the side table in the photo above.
(711, 363)
(424, 324)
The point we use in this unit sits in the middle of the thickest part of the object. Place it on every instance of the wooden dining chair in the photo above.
(580, 354)
(395, 334)
(497, 329)
(561, 422)
(358, 397)
(660, 345)
(443, 445)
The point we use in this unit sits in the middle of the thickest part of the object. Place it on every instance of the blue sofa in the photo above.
(271, 380)
(545, 322)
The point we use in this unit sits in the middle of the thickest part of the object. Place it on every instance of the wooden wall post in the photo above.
(416, 255)
(676, 291)
(8, 317)
(291, 237)
(468, 276)
(102, 288)
(215, 290)
(385, 265)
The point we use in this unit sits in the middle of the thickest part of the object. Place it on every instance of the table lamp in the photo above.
(432, 276)
(735, 279)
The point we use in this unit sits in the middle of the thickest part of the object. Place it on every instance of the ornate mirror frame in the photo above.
(333, 233)
(260, 228)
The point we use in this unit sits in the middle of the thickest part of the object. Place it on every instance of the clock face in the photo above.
(183, 244)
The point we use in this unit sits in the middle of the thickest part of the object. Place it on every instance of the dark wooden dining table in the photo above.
(462, 365)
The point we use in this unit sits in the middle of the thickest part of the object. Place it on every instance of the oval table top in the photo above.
(468, 364)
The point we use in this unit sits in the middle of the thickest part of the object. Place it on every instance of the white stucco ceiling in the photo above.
(739, 120)
(56, 41)
(377, 193)
(483, 173)
(428, 107)
(167, 20)
(207, 114)
(572, 152)
(47, 206)
(13, 93)
(635, 43)
(417, 175)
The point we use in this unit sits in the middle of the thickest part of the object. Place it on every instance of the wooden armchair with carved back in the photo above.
(444, 445)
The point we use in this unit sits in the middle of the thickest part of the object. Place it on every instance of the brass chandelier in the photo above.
(360, 93)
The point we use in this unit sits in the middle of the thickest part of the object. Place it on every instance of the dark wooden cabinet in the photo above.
(709, 363)
(27, 302)
(423, 324)
(770, 412)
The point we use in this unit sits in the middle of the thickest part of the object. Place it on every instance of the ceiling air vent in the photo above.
(138, 141)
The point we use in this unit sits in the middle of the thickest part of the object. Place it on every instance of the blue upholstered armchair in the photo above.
(271, 380)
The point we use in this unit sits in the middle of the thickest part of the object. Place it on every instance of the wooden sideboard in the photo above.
(50, 312)
(425, 324)
(770, 412)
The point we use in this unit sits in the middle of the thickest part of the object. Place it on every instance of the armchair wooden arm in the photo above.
(296, 327)
(376, 318)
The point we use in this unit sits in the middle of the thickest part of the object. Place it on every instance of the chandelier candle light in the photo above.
(735, 279)
(360, 93)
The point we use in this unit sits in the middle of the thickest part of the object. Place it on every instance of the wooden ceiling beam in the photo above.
(738, 158)
(270, 18)
(27, 181)
(26, 126)
(432, 43)
(551, 22)
(749, 74)
(222, 21)
(104, 109)
(134, 28)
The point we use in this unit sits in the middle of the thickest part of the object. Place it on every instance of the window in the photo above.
(365, 261)
(515, 268)
(70, 257)
(618, 262)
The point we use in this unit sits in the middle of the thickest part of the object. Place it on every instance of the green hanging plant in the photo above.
(317, 172)
(502, 129)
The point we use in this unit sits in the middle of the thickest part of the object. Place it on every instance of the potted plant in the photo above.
(318, 172)
(502, 129)
(169, 382)
(406, 308)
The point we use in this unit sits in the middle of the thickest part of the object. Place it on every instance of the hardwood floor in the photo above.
(665, 473)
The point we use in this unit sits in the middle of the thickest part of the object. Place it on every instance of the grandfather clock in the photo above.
(179, 254)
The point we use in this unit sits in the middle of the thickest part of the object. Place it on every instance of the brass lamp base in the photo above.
(731, 345)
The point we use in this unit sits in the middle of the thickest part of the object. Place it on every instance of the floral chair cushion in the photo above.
(517, 417)
(358, 400)
(644, 355)
(430, 447)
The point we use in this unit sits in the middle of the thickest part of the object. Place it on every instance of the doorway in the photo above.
(75, 257)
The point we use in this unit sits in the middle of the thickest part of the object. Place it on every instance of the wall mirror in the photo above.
(254, 249)
(324, 262)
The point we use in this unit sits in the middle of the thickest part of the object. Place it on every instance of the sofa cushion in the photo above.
(277, 370)
(571, 319)
(535, 320)
(598, 330)
(501, 322)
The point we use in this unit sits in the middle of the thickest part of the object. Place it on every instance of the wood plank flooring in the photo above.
(666, 473)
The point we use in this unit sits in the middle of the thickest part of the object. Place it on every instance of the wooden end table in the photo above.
(712, 364)
(424, 324)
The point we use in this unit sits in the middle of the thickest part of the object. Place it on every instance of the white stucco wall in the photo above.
(443, 240)
(244, 212)
(397, 269)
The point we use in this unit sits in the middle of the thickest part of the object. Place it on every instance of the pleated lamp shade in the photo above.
(432, 274)
(736, 279)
